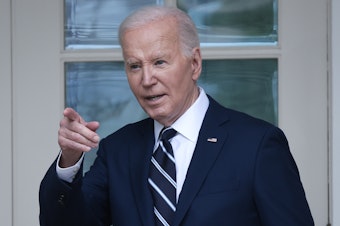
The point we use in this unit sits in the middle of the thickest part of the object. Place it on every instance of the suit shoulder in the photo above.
(233, 114)
(239, 120)
(243, 117)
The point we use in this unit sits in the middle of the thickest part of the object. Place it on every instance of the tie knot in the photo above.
(167, 133)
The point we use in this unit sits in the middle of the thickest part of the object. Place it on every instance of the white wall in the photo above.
(5, 115)
(335, 120)
(36, 101)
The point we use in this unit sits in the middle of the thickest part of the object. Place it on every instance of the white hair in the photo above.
(187, 32)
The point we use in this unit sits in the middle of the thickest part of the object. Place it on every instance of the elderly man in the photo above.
(191, 163)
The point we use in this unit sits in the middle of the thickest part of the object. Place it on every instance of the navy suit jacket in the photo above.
(247, 178)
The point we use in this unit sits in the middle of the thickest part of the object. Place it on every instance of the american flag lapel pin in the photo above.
(212, 139)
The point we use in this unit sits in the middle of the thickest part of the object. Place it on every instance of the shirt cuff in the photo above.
(68, 174)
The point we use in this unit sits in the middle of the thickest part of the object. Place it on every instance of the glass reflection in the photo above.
(233, 22)
(250, 85)
(94, 24)
(99, 91)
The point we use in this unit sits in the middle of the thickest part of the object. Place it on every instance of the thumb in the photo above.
(94, 125)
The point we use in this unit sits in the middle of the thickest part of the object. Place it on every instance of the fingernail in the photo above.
(96, 138)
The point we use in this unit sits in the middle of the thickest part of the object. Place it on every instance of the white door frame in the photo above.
(335, 112)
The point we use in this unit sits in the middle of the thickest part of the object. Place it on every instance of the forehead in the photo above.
(163, 31)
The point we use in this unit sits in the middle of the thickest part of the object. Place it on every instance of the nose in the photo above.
(148, 77)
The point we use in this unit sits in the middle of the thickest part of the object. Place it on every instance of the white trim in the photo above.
(303, 107)
(335, 130)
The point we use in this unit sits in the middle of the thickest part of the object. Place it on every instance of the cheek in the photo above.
(133, 83)
(184, 84)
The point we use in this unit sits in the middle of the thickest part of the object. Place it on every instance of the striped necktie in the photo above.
(162, 179)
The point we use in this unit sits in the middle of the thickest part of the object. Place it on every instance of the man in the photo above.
(230, 168)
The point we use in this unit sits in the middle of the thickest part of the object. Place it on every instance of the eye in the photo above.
(160, 62)
(134, 66)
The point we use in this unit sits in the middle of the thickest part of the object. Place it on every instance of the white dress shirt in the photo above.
(183, 144)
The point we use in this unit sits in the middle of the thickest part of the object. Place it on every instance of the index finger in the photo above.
(72, 115)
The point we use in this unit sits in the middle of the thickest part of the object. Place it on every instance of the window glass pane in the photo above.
(246, 85)
(233, 22)
(100, 91)
(94, 24)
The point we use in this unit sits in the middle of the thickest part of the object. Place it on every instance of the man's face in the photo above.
(161, 78)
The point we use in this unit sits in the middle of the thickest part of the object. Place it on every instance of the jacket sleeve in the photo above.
(279, 193)
(62, 203)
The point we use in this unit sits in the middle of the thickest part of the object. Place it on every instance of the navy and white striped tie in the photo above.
(162, 179)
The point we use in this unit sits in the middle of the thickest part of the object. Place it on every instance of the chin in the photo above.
(159, 118)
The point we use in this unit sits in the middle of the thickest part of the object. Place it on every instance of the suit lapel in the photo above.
(211, 138)
(140, 152)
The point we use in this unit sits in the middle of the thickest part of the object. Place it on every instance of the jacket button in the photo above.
(61, 199)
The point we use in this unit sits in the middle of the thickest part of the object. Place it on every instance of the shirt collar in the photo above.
(190, 122)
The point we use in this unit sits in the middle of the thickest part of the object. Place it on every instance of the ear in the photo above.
(196, 63)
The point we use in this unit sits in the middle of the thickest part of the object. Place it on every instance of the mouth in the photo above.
(154, 97)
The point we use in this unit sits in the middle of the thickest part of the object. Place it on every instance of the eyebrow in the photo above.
(160, 55)
(154, 57)
(131, 61)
